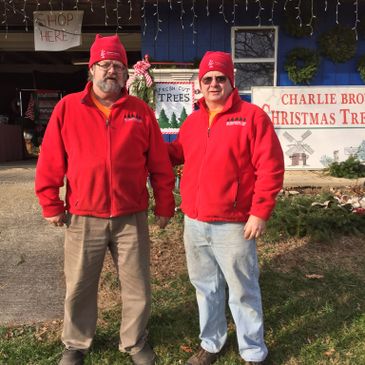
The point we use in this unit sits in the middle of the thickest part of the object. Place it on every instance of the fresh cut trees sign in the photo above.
(174, 102)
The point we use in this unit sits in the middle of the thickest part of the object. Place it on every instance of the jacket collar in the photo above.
(232, 99)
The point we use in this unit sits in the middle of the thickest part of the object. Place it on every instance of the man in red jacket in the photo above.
(233, 170)
(105, 143)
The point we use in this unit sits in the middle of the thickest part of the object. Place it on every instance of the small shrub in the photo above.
(296, 217)
(352, 168)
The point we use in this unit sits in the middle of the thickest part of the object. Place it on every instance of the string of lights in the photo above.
(25, 8)
(221, 11)
(310, 23)
(356, 4)
(192, 25)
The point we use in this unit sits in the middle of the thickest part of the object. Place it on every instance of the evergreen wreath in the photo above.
(361, 67)
(338, 44)
(302, 65)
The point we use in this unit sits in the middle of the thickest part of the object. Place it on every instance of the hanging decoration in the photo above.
(130, 9)
(338, 44)
(337, 7)
(310, 23)
(25, 18)
(144, 17)
(221, 11)
(258, 16)
(234, 12)
(91, 6)
(361, 67)
(141, 83)
(294, 18)
(299, 17)
(119, 18)
(356, 4)
(302, 65)
(273, 5)
(182, 12)
(106, 16)
(192, 25)
(5, 20)
(158, 20)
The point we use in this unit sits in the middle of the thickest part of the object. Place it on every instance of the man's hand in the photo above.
(57, 220)
(254, 227)
(161, 221)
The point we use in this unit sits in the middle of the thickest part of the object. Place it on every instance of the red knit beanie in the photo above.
(107, 48)
(217, 61)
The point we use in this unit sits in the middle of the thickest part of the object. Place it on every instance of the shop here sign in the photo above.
(57, 30)
(316, 125)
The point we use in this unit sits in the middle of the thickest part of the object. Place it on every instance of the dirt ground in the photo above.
(31, 251)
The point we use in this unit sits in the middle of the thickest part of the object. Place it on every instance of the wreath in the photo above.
(302, 65)
(361, 67)
(338, 44)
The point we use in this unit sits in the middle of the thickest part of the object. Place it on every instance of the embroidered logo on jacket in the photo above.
(133, 117)
(236, 121)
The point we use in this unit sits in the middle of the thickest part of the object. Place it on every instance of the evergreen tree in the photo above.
(173, 121)
(163, 121)
(183, 116)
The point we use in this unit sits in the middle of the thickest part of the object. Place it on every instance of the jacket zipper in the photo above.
(236, 196)
(109, 163)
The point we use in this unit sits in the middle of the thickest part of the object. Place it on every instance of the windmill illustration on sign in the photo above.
(298, 150)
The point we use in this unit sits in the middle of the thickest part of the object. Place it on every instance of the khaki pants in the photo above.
(86, 242)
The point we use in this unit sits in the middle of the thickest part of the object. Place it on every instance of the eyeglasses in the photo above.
(118, 67)
(218, 79)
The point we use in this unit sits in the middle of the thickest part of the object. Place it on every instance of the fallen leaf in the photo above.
(314, 276)
(186, 348)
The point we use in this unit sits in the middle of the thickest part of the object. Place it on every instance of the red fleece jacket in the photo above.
(106, 162)
(233, 169)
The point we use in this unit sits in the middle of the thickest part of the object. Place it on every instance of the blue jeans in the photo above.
(217, 254)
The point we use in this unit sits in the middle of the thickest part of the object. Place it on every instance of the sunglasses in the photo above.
(218, 79)
(118, 67)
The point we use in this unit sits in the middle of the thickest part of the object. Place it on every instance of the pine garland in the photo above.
(302, 65)
(338, 44)
(139, 88)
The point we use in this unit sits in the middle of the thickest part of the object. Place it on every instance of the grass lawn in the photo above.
(313, 297)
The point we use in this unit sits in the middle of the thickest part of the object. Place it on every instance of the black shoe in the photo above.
(203, 357)
(144, 357)
(72, 357)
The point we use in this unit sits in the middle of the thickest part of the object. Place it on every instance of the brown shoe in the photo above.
(254, 363)
(203, 357)
(72, 357)
(144, 357)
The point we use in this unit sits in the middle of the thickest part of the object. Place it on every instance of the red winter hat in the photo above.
(217, 61)
(107, 48)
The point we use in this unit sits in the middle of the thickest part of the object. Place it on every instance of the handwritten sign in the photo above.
(316, 125)
(174, 102)
(57, 30)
